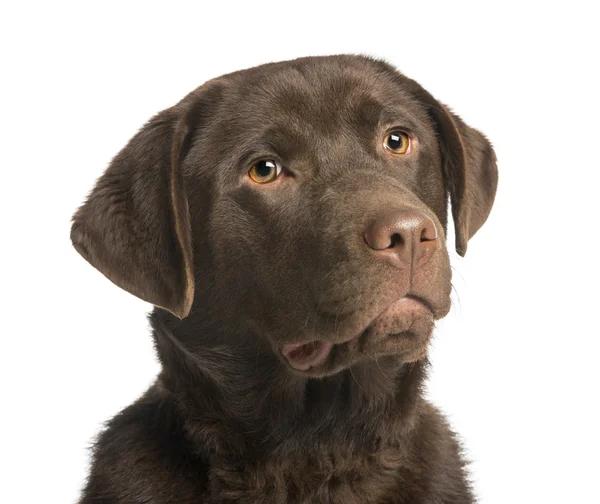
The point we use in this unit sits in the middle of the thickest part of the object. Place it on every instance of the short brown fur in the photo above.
(238, 271)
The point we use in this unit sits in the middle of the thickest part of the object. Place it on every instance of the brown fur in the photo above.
(238, 270)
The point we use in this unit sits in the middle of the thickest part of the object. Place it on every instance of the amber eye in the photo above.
(264, 171)
(397, 142)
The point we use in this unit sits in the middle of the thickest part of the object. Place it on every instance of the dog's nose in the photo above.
(402, 236)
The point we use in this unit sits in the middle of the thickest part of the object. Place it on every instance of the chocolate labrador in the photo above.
(288, 222)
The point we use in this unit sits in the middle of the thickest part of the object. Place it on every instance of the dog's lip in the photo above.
(307, 354)
(304, 355)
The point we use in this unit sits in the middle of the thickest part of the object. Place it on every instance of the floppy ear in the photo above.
(135, 226)
(470, 170)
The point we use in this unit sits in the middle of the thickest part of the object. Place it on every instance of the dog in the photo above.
(288, 223)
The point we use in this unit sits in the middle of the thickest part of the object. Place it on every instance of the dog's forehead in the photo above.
(319, 96)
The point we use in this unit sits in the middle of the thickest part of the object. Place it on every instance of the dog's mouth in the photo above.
(403, 328)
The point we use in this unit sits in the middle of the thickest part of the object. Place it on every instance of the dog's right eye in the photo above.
(265, 171)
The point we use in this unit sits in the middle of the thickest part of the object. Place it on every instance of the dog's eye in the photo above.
(397, 142)
(264, 171)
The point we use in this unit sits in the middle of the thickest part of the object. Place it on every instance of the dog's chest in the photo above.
(332, 479)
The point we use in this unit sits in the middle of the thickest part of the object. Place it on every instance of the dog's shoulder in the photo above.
(144, 451)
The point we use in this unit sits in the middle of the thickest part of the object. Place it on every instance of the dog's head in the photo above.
(304, 202)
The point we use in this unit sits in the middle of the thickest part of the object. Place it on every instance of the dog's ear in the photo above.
(470, 171)
(135, 225)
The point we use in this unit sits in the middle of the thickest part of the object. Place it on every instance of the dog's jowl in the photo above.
(288, 222)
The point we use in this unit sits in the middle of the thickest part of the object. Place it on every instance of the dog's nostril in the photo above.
(395, 239)
(428, 233)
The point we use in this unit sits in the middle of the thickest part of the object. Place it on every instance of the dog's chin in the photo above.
(403, 330)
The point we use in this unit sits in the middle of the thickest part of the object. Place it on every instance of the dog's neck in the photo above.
(240, 398)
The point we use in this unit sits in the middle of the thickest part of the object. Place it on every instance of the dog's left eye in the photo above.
(265, 171)
(397, 142)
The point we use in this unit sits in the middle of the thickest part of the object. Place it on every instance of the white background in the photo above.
(515, 364)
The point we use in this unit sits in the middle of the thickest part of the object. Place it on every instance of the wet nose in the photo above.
(402, 237)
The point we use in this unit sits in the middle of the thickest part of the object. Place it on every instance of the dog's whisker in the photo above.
(455, 290)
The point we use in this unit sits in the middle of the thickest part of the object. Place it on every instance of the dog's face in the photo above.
(312, 194)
